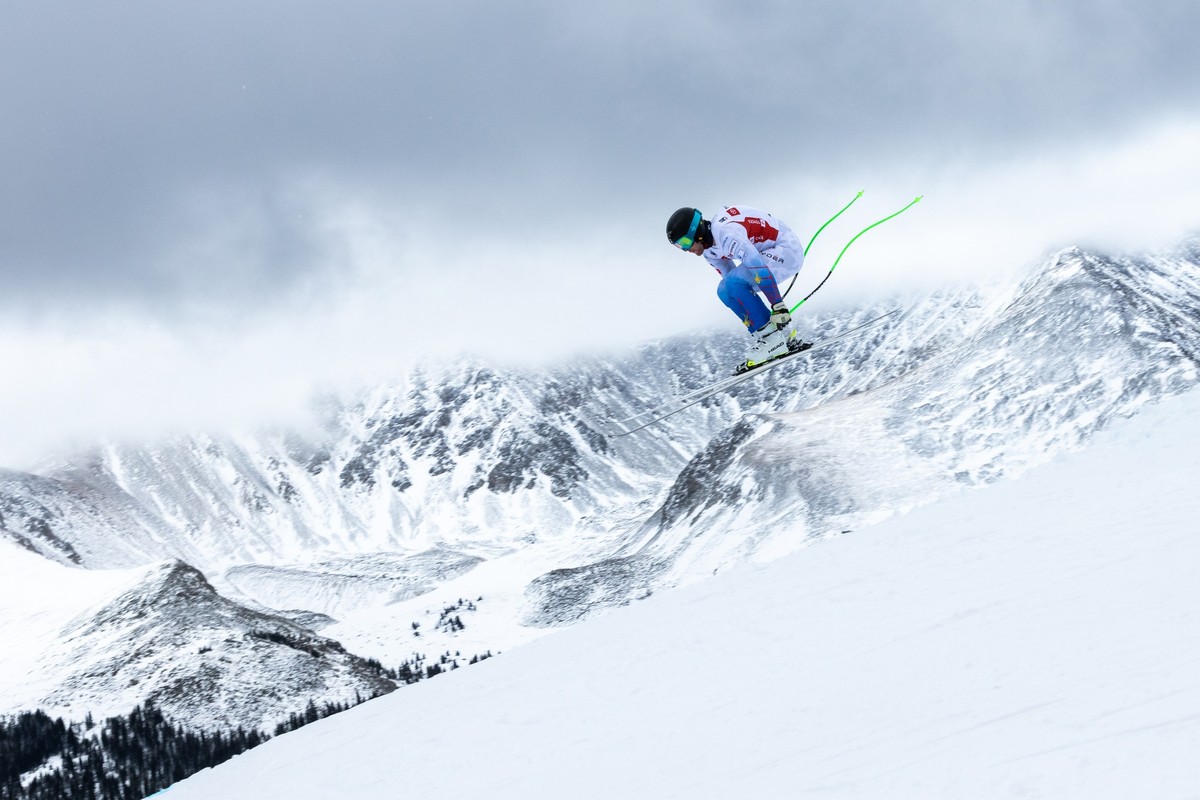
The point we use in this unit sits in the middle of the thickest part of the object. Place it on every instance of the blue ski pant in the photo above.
(738, 294)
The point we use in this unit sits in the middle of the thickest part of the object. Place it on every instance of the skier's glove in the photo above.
(780, 315)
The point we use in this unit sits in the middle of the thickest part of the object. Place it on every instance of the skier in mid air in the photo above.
(754, 252)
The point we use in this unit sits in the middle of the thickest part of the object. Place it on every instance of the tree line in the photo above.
(129, 757)
(123, 758)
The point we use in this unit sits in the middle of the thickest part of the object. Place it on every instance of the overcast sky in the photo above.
(207, 208)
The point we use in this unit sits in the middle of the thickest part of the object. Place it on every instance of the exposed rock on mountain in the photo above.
(200, 657)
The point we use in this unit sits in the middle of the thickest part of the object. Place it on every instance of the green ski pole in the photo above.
(818, 233)
(847, 247)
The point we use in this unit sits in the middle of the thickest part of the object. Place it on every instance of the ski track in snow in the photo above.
(1035, 638)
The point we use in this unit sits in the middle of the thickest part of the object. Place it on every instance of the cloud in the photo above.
(148, 144)
(1131, 195)
(409, 293)
(195, 194)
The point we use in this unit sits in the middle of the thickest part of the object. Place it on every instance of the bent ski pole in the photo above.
(831, 219)
(847, 247)
(818, 233)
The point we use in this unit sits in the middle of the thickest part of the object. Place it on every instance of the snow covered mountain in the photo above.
(1036, 371)
(1033, 639)
(163, 634)
(502, 487)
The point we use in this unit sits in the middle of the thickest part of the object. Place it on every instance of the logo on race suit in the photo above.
(733, 212)
(759, 230)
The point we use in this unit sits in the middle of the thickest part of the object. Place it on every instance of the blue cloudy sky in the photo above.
(208, 208)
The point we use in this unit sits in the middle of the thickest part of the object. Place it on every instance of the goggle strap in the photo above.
(685, 242)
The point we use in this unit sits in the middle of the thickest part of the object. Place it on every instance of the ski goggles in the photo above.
(686, 241)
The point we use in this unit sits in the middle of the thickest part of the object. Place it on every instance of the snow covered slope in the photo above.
(39, 599)
(1034, 638)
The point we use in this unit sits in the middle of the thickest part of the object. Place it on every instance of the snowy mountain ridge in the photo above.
(500, 486)
(1000, 643)
(162, 634)
(1084, 341)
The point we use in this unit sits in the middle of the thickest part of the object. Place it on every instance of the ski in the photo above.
(692, 398)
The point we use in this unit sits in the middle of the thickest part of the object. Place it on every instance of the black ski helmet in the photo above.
(687, 224)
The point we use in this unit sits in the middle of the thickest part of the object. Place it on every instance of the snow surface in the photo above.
(50, 597)
(1039, 637)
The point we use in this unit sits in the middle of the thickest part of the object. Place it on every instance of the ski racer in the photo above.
(753, 252)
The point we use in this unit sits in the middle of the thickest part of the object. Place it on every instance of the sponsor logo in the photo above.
(759, 230)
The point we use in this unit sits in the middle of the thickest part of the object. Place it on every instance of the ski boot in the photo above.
(771, 342)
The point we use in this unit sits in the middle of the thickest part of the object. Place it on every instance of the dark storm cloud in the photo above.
(158, 153)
